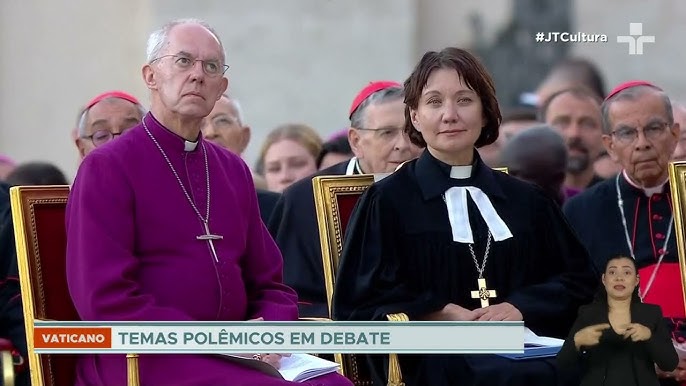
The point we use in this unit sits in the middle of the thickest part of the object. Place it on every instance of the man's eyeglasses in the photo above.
(385, 132)
(182, 63)
(101, 137)
(651, 132)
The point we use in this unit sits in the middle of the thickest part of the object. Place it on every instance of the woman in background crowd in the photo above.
(288, 154)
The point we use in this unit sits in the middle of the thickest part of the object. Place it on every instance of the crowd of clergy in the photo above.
(162, 196)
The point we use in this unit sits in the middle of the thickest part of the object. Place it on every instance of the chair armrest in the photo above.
(6, 361)
(132, 376)
(314, 319)
(400, 317)
(395, 376)
(16, 359)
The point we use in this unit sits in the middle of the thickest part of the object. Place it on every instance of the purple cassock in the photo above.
(133, 255)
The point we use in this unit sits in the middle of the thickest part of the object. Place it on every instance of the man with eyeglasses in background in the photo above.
(105, 117)
(631, 215)
(380, 146)
(225, 126)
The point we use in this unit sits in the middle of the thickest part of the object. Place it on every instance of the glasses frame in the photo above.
(110, 136)
(665, 127)
(378, 132)
(193, 61)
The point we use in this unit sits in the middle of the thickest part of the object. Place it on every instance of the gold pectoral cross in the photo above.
(483, 293)
(209, 237)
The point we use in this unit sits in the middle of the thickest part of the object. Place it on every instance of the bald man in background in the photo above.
(538, 155)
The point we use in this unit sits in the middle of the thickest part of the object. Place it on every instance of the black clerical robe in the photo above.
(293, 225)
(399, 256)
(594, 181)
(596, 217)
(267, 202)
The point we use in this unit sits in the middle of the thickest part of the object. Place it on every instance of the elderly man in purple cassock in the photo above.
(163, 225)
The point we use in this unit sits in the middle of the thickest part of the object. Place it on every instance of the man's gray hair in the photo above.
(159, 38)
(631, 94)
(358, 117)
(83, 118)
(239, 110)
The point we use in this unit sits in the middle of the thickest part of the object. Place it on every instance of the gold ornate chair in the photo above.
(677, 182)
(38, 213)
(335, 199)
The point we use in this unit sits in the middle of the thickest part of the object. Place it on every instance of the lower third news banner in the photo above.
(51, 337)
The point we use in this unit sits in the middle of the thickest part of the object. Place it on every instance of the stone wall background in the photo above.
(302, 60)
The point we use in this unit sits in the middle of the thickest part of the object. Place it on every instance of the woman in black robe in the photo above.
(419, 240)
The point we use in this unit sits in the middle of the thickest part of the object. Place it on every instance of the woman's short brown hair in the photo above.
(473, 73)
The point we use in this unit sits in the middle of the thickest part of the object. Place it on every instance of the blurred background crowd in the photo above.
(295, 67)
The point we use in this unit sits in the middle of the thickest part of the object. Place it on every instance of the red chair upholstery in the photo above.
(335, 199)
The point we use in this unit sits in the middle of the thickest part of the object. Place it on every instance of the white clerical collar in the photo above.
(354, 168)
(647, 191)
(456, 201)
(401, 165)
(190, 146)
(461, 172)
(380, 176)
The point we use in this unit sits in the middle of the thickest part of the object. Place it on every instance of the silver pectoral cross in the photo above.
(209, 237)
(483, 293)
